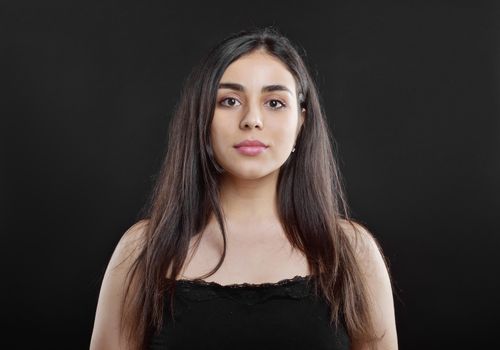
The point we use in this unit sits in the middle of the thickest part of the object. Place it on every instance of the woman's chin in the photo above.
(250, 174)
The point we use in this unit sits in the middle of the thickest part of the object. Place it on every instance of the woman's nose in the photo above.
(251, 119)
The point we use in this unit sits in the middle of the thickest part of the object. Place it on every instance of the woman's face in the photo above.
(256, 100)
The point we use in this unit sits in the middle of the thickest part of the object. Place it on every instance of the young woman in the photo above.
(247, 241)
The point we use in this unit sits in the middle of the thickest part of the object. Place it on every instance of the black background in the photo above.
(411, 90)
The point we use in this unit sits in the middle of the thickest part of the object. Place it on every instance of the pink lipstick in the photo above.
(250, 147)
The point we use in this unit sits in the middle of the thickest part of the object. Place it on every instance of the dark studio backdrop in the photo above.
(411, 90)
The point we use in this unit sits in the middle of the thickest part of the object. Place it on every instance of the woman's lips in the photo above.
(251, 150)
(250, 147)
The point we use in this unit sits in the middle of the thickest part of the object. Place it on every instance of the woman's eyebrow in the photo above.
(267, 88)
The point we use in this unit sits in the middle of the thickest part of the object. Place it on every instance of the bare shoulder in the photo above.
(128, 247)
(106, 333)
(373, 267)
(132, 240)
(367, 251)
(362, 240)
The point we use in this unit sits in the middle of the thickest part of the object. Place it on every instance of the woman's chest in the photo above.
(279, 317)
(246, 260)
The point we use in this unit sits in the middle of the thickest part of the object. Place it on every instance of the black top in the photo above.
(281, 315)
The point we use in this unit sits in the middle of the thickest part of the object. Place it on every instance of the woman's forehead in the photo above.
(257, 70)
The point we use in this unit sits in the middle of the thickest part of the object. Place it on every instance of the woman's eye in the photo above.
(229, 102)
(276, 104)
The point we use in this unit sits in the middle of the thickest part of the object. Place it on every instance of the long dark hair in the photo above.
(186, 194)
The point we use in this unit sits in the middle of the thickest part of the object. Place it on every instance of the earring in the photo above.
(293, 150)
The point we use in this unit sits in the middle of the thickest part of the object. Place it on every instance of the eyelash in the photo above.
(283, 105)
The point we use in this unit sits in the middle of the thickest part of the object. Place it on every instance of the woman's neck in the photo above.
(249, 201)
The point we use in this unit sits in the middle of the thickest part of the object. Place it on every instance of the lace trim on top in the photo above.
(249, 293)
(246, 285)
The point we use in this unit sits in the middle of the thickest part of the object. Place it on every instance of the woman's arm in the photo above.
(106, 333)
(378, 282)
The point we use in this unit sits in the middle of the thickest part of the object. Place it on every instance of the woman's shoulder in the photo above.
(359, 235)
(374, 267)
(127, 249)
(106, 333)
(134, 236)
(366, 248)
(130, 244)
